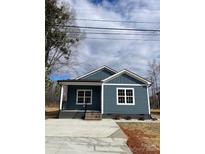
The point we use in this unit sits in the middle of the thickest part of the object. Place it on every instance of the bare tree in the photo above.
(153, 74)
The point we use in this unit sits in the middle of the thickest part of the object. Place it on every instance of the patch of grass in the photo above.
(143, 138)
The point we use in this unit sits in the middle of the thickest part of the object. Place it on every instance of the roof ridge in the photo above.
(95, 70)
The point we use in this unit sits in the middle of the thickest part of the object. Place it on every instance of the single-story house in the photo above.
(104, 93)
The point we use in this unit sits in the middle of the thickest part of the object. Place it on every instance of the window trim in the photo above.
(91, 97)
(133, 97)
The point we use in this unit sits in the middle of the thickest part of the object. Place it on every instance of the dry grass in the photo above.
(155, 111)
(50, 109)
(143, 138)
(51, 112)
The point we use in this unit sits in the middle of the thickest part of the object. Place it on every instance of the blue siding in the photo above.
(71, 99)
(110, 102)
(99, 75)
(125, 79)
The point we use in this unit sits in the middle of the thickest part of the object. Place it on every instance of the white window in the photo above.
(84, 96)
(125, 96)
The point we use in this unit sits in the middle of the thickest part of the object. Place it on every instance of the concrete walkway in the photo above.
(65, 136)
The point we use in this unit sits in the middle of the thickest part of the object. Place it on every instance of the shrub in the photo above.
(141, 118)
(116, 117)
(154, 119)
(128, 118)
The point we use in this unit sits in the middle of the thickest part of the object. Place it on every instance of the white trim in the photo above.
(148, 100)
(128, 73)
(81, 83)
(102, 98)
(122, 84)
(90, 73)
(91, 97)
(67, 110)
(99, 84)
(133, 97)
(61, 98)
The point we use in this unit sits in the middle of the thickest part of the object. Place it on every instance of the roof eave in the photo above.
(95, 70)
(129, 73)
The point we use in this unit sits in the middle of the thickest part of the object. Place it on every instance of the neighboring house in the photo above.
(105, 92)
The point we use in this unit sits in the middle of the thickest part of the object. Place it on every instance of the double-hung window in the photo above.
(125, 96)
(84, 96)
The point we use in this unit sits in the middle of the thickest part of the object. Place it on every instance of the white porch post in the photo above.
(102, 98)
(148, 99)
(61, 98)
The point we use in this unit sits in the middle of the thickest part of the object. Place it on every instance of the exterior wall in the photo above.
(110, 101)
(99, 75)
(70, 104)
(125, 79)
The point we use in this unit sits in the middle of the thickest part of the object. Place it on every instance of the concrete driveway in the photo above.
(75, 136)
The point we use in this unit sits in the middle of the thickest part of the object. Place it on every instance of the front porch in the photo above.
(81, 100)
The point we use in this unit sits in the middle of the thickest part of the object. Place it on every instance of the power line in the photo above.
(112, 28)
(106, 20)
(115, 33)
(101, 20)
(104, 38)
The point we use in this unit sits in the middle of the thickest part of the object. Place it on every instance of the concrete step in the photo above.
(98, 117)
(93, 113)
(93, 116)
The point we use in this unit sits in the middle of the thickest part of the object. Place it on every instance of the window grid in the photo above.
(125, 96)
(86, 95)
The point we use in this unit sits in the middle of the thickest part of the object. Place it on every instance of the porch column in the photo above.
(61, 98)
(102, 98)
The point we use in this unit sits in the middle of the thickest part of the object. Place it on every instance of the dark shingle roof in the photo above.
(79, 80)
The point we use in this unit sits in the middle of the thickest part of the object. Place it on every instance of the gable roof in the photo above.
(129, 73)
(78, 81)
(94, 71)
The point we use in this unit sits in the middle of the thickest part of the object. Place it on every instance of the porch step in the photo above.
(93, 116)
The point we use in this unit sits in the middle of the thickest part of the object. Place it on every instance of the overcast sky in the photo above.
(118, 54)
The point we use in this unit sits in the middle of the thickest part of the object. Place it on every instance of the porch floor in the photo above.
(80, 111)
(80, 114)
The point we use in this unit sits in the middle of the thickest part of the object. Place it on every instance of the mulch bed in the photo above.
(141, 141)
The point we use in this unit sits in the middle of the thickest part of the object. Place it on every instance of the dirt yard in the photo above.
(51, 112)
(143, 138)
